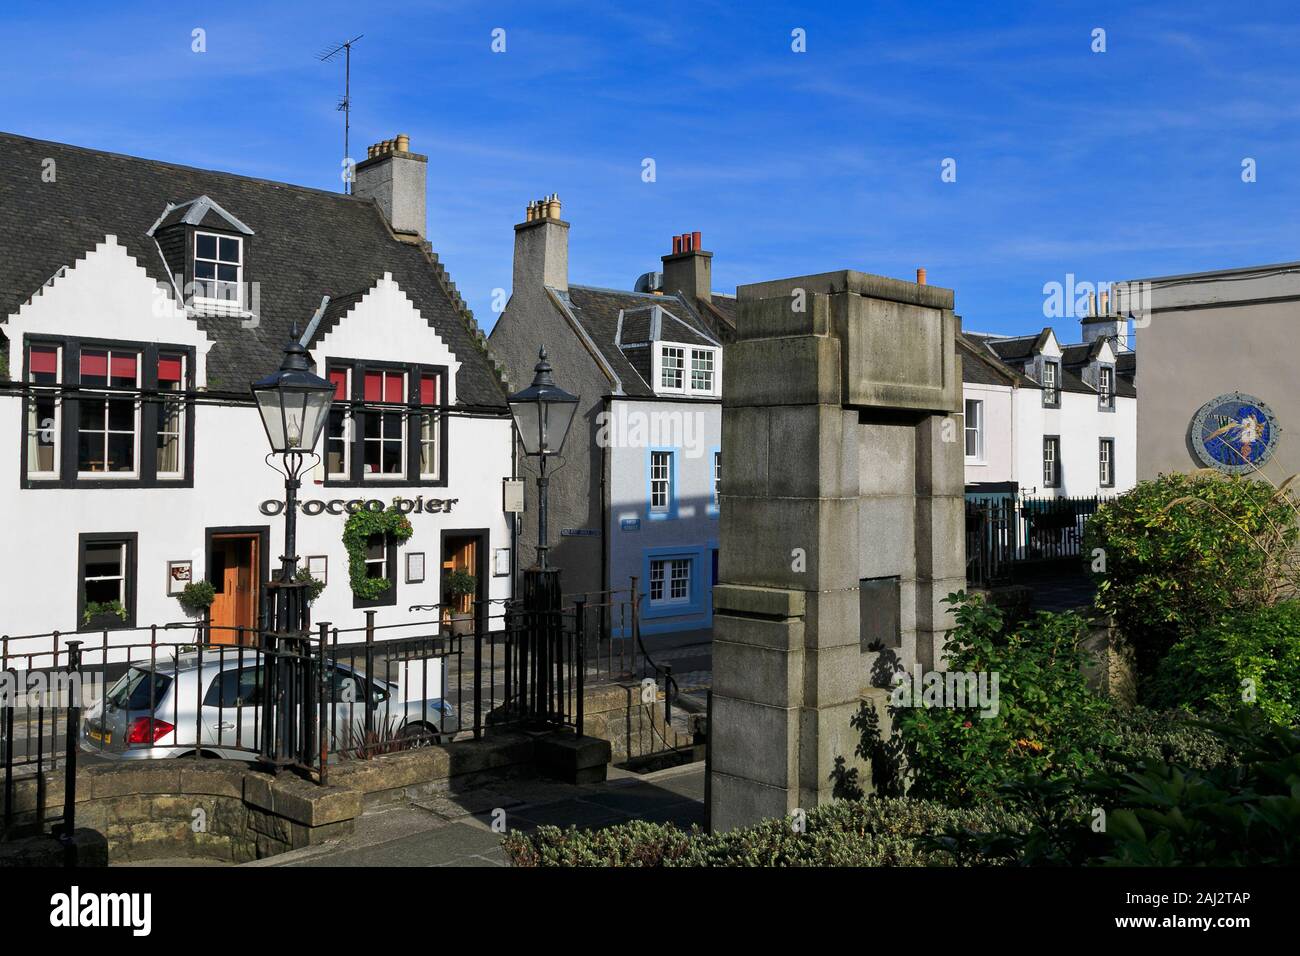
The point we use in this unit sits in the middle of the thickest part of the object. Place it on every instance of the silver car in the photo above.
(153, 712)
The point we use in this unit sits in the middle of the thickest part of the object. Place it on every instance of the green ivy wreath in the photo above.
(357, 532)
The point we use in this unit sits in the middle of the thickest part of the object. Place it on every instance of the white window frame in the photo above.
(383, 410)
(1051, 461)
(977, 430)
(382, 560)
(712, 371)
(120, 577)
(109, 396)
(346, 414)
(665, 579)
(218, 300)
(661, 480)
(678, 365)
(32, 411)
(1106, 462)
(1105, 387)
(1051, 383)
(180, 427)
(717, 478)
(433, 419)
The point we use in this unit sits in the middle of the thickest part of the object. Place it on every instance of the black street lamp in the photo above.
(294, 404)
(535, 658)
(543, 413)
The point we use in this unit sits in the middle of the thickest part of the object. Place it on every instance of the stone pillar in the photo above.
(842, 525)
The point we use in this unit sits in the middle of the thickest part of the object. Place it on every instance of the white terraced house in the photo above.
(139, 300)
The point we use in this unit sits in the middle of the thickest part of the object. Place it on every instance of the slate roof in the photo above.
(307, 243)
(979, 367)
(1013, 353)
(597, 312)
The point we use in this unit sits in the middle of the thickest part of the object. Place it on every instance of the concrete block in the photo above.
(886, 457)
(759, 601)
(774, 635)
(834, 675)
(759, 674)
(833, 618)
(887, 538)
(897, 356)
(739, 802)
(808, 369)
(755, 741)
(813, 452)
(941, 537)
(850, 281)
(826, 732)
(806, 544)
(941, 455)
(784, 316)
(745, 451)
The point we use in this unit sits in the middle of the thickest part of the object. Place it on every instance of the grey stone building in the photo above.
(635, 493)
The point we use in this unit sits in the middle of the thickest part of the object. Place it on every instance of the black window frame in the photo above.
(389, 597)
(1055, 442)
(132, 572)
(414, 372)
(70, 379)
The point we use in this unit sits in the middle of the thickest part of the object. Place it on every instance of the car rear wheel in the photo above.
(420, 735)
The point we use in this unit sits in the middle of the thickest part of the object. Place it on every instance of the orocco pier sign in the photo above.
(349, 506)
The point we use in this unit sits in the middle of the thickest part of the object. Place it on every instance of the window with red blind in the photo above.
(385, 424)
(338, 430)
(384, 429)
(108, 427)
(430, 426)
(44, 410)
(170, 447)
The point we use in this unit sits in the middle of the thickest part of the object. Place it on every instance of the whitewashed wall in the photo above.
(108, 295)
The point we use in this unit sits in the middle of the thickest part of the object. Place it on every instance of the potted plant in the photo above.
(197, 597)
(459, 584)
(100, 615)
(317, 585)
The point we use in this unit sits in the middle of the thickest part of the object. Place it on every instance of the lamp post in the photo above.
(294, 404)
(542, 414)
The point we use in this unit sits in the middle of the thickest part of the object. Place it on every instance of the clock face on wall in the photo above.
(1234, 433)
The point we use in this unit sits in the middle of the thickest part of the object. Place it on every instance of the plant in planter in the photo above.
(197, 597)
(101, 613)
(360, 528)
(456, 585)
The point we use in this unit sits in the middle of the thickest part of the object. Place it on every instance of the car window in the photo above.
(235, 688)
(347, 687)
(133, 689)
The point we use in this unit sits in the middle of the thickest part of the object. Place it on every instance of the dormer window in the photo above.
(672, 367)
(218, 269)
(1106, 388)
(701, 370)
(1051, 384)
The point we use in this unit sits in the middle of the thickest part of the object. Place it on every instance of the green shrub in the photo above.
(1249, 656)
(1047, 723)
(197, 596)
(868, 832)
(1179, 550)
(1160, 814)
(1140, 735)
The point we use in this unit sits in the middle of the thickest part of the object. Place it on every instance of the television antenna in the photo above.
(345, 104)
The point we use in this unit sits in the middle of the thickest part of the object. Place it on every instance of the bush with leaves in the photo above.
(1047, 722)
(360, 527)
(1249, 656)
(870, 832)
(1180, 550)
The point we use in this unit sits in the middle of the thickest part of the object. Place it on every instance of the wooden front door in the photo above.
(236, 573)
(459, 554)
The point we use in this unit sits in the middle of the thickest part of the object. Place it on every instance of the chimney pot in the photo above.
(920, 276)
(553, 206)
(695, 240)
(403, 143)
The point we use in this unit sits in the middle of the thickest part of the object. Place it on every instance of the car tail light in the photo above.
(142, 727)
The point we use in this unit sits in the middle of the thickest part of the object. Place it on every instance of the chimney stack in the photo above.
(542, 246)
(920, 276)
(688, 269)
(395, 178)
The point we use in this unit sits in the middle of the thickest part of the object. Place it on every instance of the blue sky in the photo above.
(1105, 165)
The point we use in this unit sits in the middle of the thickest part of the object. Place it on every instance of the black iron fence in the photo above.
(192, 690)
(1004, 535)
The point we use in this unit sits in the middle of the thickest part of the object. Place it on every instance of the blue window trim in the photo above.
(714, 508)
(695, 603)
(672, 485)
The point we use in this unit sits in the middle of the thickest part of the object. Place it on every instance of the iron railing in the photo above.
(1004, 535)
